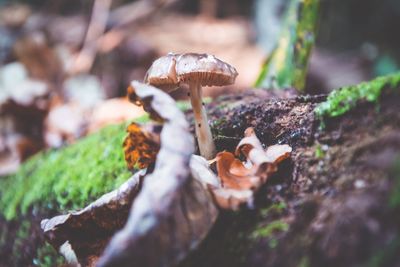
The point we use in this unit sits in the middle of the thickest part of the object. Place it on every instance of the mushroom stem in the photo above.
(203, 131)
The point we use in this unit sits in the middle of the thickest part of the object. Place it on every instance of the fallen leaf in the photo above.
(173, 212)
(234, 174)
(237, 181)
(84, 89)
(41, 61)
(13, 150)
(83, 234)
(160, 109)
(141, 145)
(113, 111)
(231, 199)
(65, 123)
(265, 160)
(201, 171)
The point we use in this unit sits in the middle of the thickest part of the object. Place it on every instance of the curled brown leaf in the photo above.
(238, 180)
(234, 174)
(84, 234)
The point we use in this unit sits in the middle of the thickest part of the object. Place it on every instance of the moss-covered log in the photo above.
(335, 203)
(54, 182)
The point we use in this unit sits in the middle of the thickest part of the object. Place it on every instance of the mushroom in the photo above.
(196, 70)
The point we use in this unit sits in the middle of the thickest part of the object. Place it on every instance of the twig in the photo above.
(97, 25)
(118, 19)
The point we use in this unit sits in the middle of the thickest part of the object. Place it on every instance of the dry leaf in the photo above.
(170, 215)
(14, 149)
(160, 109)
(201, 171)
(65, 123)
(173, 212)
(86, 232)
(113, 111)
(238, 180)
(141, 145)
(234, 174)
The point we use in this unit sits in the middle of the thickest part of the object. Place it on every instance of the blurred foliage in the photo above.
(385, 65)
(287, 64)
(68, 178)
(344, 99)
(47, 256)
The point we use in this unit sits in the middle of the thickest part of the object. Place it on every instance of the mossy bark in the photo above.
(287, 65)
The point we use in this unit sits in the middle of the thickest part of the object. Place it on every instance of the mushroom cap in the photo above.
(162, 73)
(205, 69)
(169, 71)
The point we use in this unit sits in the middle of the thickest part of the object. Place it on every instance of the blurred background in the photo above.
(65, 65)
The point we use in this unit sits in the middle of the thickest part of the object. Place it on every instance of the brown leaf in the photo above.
(238, 180)
(41, 61)
(141, 145)
(234, 174)
(173, 212)
(253, 150)
(14, 149)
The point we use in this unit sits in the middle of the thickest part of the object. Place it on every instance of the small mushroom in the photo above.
(196, 70)
(162, 73)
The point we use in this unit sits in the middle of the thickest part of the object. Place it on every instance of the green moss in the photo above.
(59, 180)
(269, 229)
(215, 126)
(319, 152)
(183, 105)
(23, 230)
(342, 100)
(276, 208)
(304, 262)
(47, 256)
(68, 178)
